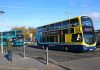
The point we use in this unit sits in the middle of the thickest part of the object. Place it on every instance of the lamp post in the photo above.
(1, 13)
(68, 17)
(24, 56)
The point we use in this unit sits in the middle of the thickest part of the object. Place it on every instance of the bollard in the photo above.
(47, 55)
(24, 51)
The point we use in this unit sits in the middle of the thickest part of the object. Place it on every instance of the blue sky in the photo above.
(35, 13)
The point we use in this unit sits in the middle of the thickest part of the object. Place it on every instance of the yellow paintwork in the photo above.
(68, 38)
(77, 29)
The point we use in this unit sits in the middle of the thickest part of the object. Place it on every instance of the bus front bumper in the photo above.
(92, 48)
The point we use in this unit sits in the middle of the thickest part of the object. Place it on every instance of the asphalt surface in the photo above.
(59, 58)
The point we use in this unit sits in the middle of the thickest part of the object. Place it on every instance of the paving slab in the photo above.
(27, 63)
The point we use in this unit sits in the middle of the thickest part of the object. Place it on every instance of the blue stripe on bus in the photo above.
(73, 48)
(80, 48)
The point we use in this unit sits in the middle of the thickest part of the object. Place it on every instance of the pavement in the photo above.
(27, 63)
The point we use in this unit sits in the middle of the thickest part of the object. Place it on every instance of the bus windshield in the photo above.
(86, 21)
(89, 38)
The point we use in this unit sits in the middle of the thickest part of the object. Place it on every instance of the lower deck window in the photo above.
(76, 37)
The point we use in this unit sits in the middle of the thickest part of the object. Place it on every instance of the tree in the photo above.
(32, 30)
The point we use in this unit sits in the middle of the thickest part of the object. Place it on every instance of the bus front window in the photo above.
(86, 21)
(89, 38)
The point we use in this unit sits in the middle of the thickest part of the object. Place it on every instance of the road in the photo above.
(56, 57)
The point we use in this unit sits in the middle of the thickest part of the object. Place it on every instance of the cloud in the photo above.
(95, 15)
(96, 19)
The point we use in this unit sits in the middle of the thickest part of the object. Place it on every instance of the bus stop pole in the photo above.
(24, 51)
(1, 42)
(24, 54)
(47, 55)
(1, 14)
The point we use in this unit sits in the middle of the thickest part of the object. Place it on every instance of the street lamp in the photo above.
(68, 17)
(1, 13)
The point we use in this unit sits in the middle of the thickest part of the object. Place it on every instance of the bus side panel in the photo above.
(17, 44)
(68, 38)
(38, 37)
(71, 48)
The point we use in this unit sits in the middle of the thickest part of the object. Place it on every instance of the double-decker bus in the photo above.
(18, 40)
(76, 34)
(16, 36)
(97, 34)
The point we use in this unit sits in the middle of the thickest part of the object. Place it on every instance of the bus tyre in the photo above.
(65, 49)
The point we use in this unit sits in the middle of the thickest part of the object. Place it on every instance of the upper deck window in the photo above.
(57, 25)
(73, 22)
(18, 31)
(51, 27)
(64, 24)
(43, 28)
(12, 33)
(86, 21)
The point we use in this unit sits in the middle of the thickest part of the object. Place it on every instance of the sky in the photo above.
(35, 13)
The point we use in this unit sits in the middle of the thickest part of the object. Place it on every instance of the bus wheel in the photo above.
(65, 49)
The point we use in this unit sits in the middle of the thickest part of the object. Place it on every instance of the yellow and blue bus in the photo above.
(16, 36)
(97, 34)
(76, 34)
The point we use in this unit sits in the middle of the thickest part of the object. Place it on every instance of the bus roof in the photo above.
(12, 30)
(60, 21)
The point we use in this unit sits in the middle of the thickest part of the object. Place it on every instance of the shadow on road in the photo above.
(43, 60)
